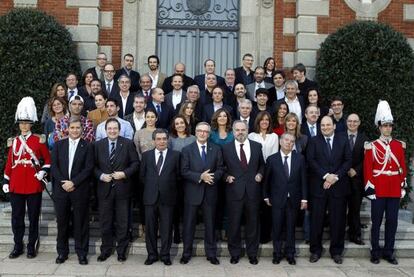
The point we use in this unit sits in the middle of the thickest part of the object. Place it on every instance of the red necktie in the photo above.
(243, 159)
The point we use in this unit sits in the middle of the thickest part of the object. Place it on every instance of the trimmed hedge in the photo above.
(367, 61)
(36, 51)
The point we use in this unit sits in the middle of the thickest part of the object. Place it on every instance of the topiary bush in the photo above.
(36, 51)
(367, 61)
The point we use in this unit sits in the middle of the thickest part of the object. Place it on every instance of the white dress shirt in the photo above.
(157, 156)
(154, 79)
(138, 121)
(270, 144)
(200, 150)
(246, 149)
(177, 95)
(294, 107)
(73, 144)
(124, 101)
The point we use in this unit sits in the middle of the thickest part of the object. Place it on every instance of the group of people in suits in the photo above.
(316, 166)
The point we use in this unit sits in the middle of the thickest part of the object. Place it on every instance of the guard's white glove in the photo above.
(6, 188)
(40, 175)
(403, 193)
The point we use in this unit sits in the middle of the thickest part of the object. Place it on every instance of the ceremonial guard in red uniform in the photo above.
(384, 173)
(27, 165)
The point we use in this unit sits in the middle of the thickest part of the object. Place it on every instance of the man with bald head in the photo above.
(164, 112)
(179, 68)
(329, 160)
(356, 140)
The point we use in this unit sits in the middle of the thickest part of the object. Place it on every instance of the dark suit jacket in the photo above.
(169, 101)
(320, 163)
(244, 180)
(126, 160)
(277, 185)
(167, 114)
(167, 87)
(358, 155)
(239, 71)
(134, 75)
(163, 186)
(114, 88)
(129, 104)
(82, 168)
(304, 129)
(200, 81)
(191, 168)
(208, 111)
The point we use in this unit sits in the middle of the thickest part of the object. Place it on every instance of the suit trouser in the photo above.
(251, 230)
(287, 215)
(189, 226)
(18, 203)
(378, 206)
(165, 214)
(337, 215)
(80, 221)
(113, 211)
(354, 208)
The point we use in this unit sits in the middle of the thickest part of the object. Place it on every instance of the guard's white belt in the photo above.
(386, 172)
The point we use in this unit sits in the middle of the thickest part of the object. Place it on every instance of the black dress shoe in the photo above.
(150, 261)
(276, 260)
(213, 260)
(61, 259)
(234, 259)
(15, 253)
(337, 259)
(122, 258)
(82, 260)
(103, 257)
(31, 254)
(391, 260)
(166, 261)
(253, 260)
(375, 260)
(357, 240)
(291, 260)
(184, 260)
(314, 258)
(364, 226)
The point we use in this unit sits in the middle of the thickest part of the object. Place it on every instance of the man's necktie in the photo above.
(203, 153)
(71, 93)
(328, 142)
(243, 159)
(158, 109)
(108, 87)
(112, 154)
(102, 76)
(312, 131)
(286, 166)
(230, 88)
(159, 163)
(351, 141)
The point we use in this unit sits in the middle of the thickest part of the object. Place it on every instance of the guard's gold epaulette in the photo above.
(368, 145)
(10, 141)
(404, 145)
(42, 138)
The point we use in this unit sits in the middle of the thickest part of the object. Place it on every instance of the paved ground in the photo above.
(44, 265)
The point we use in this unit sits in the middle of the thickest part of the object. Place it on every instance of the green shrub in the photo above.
(367, 61)
(35, 52)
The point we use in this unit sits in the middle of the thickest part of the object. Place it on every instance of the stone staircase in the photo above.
(48, 231)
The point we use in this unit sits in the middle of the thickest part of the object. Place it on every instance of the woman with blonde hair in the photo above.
(292, 126)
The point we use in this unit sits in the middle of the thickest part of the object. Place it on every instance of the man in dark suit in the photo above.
(311, 127)
(245, 169)
(146, 83)
(356, 140)
(209, 68)
(137, 118)
(177, 95)
(244, 73)
(209, 109)
(124, 96)
(201, 169)
(160, 170)
(304, 84)
(286, 191)
(179, 68)
(115, 162)
(329, 160)
(193, 95)
(259, 75)
(165, 113)
(294, 101)
(245, 112)
(98, 70)
(109, 86)
(128, 71)
(72, 166)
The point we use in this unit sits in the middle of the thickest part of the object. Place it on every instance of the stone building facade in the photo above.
(289, 30)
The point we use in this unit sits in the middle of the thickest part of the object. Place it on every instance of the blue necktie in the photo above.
(328, 142)
(71, 93)
(203, 153)
(312, 131)
(158, 109)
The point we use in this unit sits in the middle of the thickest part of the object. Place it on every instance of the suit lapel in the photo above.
(65, 153)
(197, 153)
(166, 159)
(78, 150)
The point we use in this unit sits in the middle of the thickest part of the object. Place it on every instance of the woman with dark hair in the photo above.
(292, 126)
(99, 114)
(180, 137)
(57, 90)
(314, 99)
(57, 108)
(87, 78)
(187, 111)
(221, 127)
(270, 67)
(281, 111)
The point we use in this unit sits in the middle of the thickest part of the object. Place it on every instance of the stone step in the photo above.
(48, 245)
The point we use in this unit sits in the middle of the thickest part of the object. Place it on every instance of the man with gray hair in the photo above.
(245, 170)
(292, 99)
(245, 110)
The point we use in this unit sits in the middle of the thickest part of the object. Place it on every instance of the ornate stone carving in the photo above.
(267, 4)
(367, 9)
